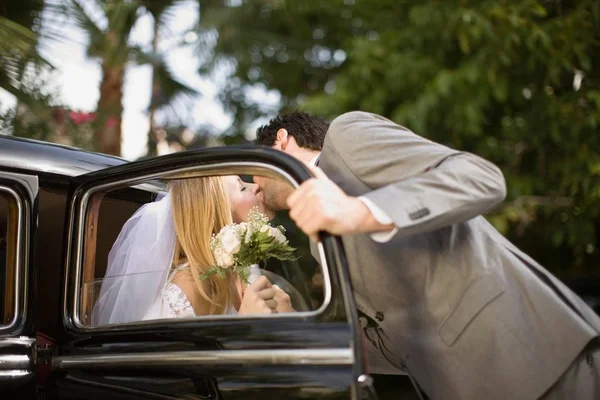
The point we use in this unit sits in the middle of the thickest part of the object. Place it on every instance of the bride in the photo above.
(154, 267)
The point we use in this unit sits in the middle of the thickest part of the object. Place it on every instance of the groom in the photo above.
(447, 299)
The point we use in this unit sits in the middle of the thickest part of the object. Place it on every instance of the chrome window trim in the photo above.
(319, 357)
(79, 239)
(14, 362)
(15, 366)
(22, 341)
(20, 267)
(13, 374)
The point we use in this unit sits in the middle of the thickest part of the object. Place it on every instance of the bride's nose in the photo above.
(254, 188)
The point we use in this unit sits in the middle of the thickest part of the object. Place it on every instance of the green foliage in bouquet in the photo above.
(238, 246)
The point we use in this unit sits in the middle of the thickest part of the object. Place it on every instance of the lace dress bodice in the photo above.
(176, 303)
(172, 302)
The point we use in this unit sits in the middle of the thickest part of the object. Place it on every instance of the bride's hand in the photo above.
(259, 298)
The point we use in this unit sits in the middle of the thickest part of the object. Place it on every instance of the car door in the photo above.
(315, 354)
(18, 194)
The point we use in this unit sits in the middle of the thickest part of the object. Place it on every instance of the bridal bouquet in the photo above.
(237, 247)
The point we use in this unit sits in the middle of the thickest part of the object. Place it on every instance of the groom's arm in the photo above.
(417, 184)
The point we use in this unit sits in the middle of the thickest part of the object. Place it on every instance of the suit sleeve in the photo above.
(419, 184)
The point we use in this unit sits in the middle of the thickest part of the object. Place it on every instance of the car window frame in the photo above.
(77, 250)
(19, 267)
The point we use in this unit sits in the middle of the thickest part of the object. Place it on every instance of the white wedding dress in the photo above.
(172, 302)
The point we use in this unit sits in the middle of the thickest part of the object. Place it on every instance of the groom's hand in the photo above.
(320, 205)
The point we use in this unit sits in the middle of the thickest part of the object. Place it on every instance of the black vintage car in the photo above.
(61, 209)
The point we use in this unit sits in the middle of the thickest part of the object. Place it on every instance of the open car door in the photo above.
(315, 353)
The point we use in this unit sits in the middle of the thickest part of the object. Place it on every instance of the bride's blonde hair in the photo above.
(201, 207)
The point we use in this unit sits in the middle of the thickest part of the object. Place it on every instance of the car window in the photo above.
(8, 256)
(126, 278)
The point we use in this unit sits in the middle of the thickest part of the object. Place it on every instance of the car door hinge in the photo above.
(43, 353)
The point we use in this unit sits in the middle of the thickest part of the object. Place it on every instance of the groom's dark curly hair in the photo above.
(308, 130)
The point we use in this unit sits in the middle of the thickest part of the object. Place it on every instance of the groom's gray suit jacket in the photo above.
(461, 308)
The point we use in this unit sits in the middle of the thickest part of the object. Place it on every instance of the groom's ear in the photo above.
(282, 139)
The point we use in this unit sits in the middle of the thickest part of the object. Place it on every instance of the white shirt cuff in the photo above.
(381, 217)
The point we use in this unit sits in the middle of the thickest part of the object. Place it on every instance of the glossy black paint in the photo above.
(208, 156)
(50, 161)
(58, 167)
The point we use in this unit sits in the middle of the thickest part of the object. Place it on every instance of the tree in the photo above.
(164, 88)
(108, 35)
(109, 26)
(274, 44)
(44, 117)
(26, 75)
(20, 24)
(512, 81)
(18, 41)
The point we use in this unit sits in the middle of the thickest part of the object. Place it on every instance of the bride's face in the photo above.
(243, 197)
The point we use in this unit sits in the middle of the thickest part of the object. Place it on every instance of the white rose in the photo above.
(247, 228)
(218, 253)
(274, 232)
(229, 240)
(224, 260)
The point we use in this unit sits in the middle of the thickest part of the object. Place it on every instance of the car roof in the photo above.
(45, 157)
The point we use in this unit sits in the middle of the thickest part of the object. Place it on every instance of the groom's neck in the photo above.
(305, 155)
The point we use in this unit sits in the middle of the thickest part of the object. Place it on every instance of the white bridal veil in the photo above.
(138, 265)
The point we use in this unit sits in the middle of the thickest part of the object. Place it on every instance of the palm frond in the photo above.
(24, 12)
(15, 38)
(14, 86)
(159, 8)
(17, 51)
(89, 26)
(84, 19)
(122, 17)
(169, 86)
(108, 39)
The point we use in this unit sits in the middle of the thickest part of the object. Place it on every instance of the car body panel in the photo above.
(316, 357)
